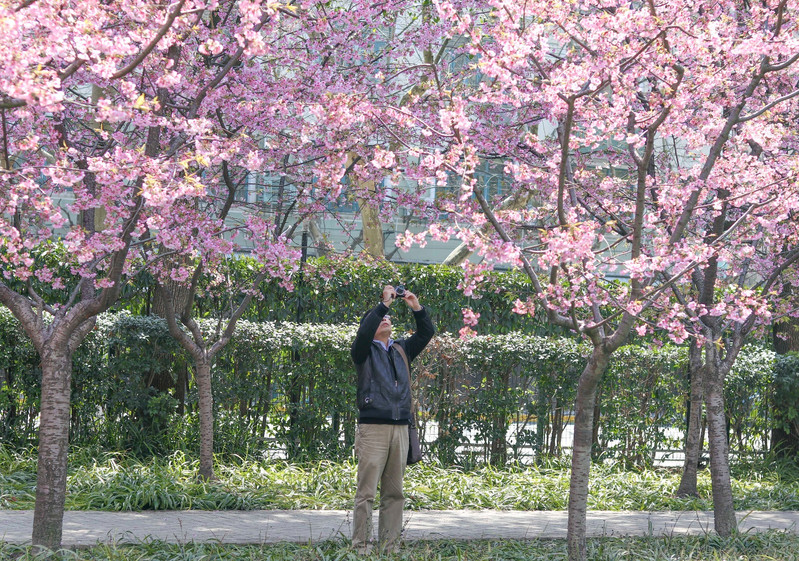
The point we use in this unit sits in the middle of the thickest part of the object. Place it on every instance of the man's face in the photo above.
(384, 329)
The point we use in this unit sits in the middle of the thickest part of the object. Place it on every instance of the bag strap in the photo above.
(401, 351)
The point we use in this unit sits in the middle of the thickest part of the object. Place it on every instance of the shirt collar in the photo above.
(385, 347)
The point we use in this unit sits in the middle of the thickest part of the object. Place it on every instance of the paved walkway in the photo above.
(303, 526)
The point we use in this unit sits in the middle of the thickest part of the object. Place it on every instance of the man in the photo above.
(384, 405)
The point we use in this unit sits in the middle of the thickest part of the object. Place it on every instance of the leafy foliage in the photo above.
(117, 482)
(341, 290)
(786, 392)
(287, 388)
(635, 417)
(741, 547)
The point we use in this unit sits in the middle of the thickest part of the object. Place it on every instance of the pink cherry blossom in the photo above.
(470, 317)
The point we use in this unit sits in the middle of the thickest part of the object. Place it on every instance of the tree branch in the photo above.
(564, 133)
(23, 310)
(782, 65)
(24, 5)
(71, 69)
(195, 105)
(11, 102)
(174, 329)
(759, 112)
(235, 316)
(170, 19)
(528, 268)
(715, 152)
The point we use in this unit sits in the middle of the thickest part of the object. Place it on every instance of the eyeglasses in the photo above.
(387, 317)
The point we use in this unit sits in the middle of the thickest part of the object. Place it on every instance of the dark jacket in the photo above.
(384, 394)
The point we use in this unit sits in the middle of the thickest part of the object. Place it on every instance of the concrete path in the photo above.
(302, 526)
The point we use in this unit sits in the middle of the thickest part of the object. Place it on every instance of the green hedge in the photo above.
(785, 397)
(291, 386)
(336, 290)
(341, 291)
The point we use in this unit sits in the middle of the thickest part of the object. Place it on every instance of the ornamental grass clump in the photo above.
(742, 547)
(120, 482)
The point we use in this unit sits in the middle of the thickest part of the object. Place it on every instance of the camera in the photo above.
(400, 291)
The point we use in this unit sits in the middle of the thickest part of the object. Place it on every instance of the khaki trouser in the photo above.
(382, 451)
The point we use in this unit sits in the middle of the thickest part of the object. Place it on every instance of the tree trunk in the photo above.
(264, 404)
(723, 509)
(370, 214)
(294, 391)
(581, 452)
(7, 379)
(323, 247)
(51, 476)
(498, 448)
(786, 336)
(556, 424)
(181, 385)
(693, 437)
(541, 424)
(785, 444)
(205, 403)
(457, 256)
(372, 230)
(180, 294)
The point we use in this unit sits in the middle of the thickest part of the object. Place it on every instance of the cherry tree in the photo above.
(652, 141)
(124, 128)
(291, 121)
(77, 130)
(166, 137)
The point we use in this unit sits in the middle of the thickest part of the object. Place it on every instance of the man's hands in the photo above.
(412, 301)
(389, 295)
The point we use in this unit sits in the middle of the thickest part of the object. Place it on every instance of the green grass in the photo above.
(744, 547)
(114, 481)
